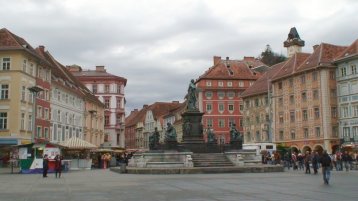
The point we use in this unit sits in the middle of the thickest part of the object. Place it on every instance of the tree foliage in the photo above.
(270, 58)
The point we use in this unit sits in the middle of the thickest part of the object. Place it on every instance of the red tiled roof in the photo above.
(261, 85)
(233, 69)
(324, 54)
(94, 73)
(349, 52)
(291, 65)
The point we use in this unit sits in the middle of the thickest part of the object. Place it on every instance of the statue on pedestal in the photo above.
(170, 133)
(154, 139)
(234, 134)
(192, 97)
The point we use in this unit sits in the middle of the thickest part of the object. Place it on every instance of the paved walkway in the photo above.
(103, 185)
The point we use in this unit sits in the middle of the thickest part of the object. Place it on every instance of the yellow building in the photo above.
(19, 63)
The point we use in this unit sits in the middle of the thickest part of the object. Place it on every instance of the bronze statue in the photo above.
(170, 133)
(191, 96)
(154, 139)
(234, 133)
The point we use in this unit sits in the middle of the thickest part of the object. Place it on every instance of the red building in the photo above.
(220, 89)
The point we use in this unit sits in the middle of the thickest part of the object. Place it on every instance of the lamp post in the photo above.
(34, 90)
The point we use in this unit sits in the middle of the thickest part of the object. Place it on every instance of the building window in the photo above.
(94, 88)
(3, 120)
(208, 94)
(231, 122)
(303, 79)
(23, 93)
(22, 123)
(118, 103)
(355, 132)
(118, 119)
(231, 107)
(281, 118)
(290, 82)
(256, 102)
(221, 83)
(304, 96)
(292, 116)
(209, 107)
(229, 84)
(209, 123)
(241, 107)
(118, 88)
(354, 69)
(281, 135)
(346, 134)
(315, 94)
(292, 99)
(221, 123)
(24, 65)
(247, 104)
(343, 71)
(6, 63)
(334, 112)
(4, 91)
(39, 112)
(208, 83)
(318, 131)
(316, 112)
(58, 95)
(106, 88)
(29, 125)
(241, 122)
(58, 115)
(266, 100)
(46, 133)
(251, 83)
(230, 94)
(106, 120)
(257, 119)
(355, 110)
(334, 131)
(314, 76)
(332, 75)
(241, 83)
(280, 101)
(221, 107)
(304, 115)
(106, 103)
(333, 93)
(344, 111)
(280, 85)
(258, 136)
(221, 94)
(248, 121)
(39, 131)
(293, 134)
(305, 133)
(267, 117)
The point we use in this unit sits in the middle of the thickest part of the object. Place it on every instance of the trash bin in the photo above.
(123, 168)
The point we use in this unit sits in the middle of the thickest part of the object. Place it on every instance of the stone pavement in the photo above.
(103, 185)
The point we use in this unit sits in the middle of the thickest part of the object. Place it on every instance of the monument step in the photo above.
(211, 160)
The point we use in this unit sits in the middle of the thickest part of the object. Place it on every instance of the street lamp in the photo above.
(34, 90)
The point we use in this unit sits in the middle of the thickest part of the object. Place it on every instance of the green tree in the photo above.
(270, 58)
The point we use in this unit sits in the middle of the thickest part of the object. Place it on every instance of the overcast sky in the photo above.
(160, 45)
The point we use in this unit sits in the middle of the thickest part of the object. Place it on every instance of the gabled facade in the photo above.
(110, 91)
(220, 89)
(305, 102)
(22, 68)
(257, 108)
(347, 92)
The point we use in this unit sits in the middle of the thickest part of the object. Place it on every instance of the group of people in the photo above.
(272, 159)
(58, 165)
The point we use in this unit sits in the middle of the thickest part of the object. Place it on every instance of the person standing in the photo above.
(307, 162)
(326, 166)
(45, 166)
(58, 165)
(345, 159)
(315, 160)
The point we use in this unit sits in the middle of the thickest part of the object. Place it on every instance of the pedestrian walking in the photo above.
(346, 160)
(58, 165)
(326, 163)
(45, 166)
(300, 160)
(307, 162)
(315, 162)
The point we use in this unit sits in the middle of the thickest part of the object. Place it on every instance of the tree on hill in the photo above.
(270, 58)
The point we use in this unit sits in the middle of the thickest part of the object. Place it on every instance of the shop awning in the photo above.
(77, 143)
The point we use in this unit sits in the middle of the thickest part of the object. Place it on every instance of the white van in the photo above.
(259, 147)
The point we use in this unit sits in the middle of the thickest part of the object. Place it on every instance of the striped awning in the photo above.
(77, 143)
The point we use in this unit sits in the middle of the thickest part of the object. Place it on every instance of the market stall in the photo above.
(77, 154)
(102, 158)
(31, 156)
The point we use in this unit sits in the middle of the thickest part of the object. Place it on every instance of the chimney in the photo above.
(100, 69)
(144, 106)
(74, 68)
(315, 47)
(217, 60)
(42, 48)
(227, 58)
(135, 110)
(249, 58)
(176, 102)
